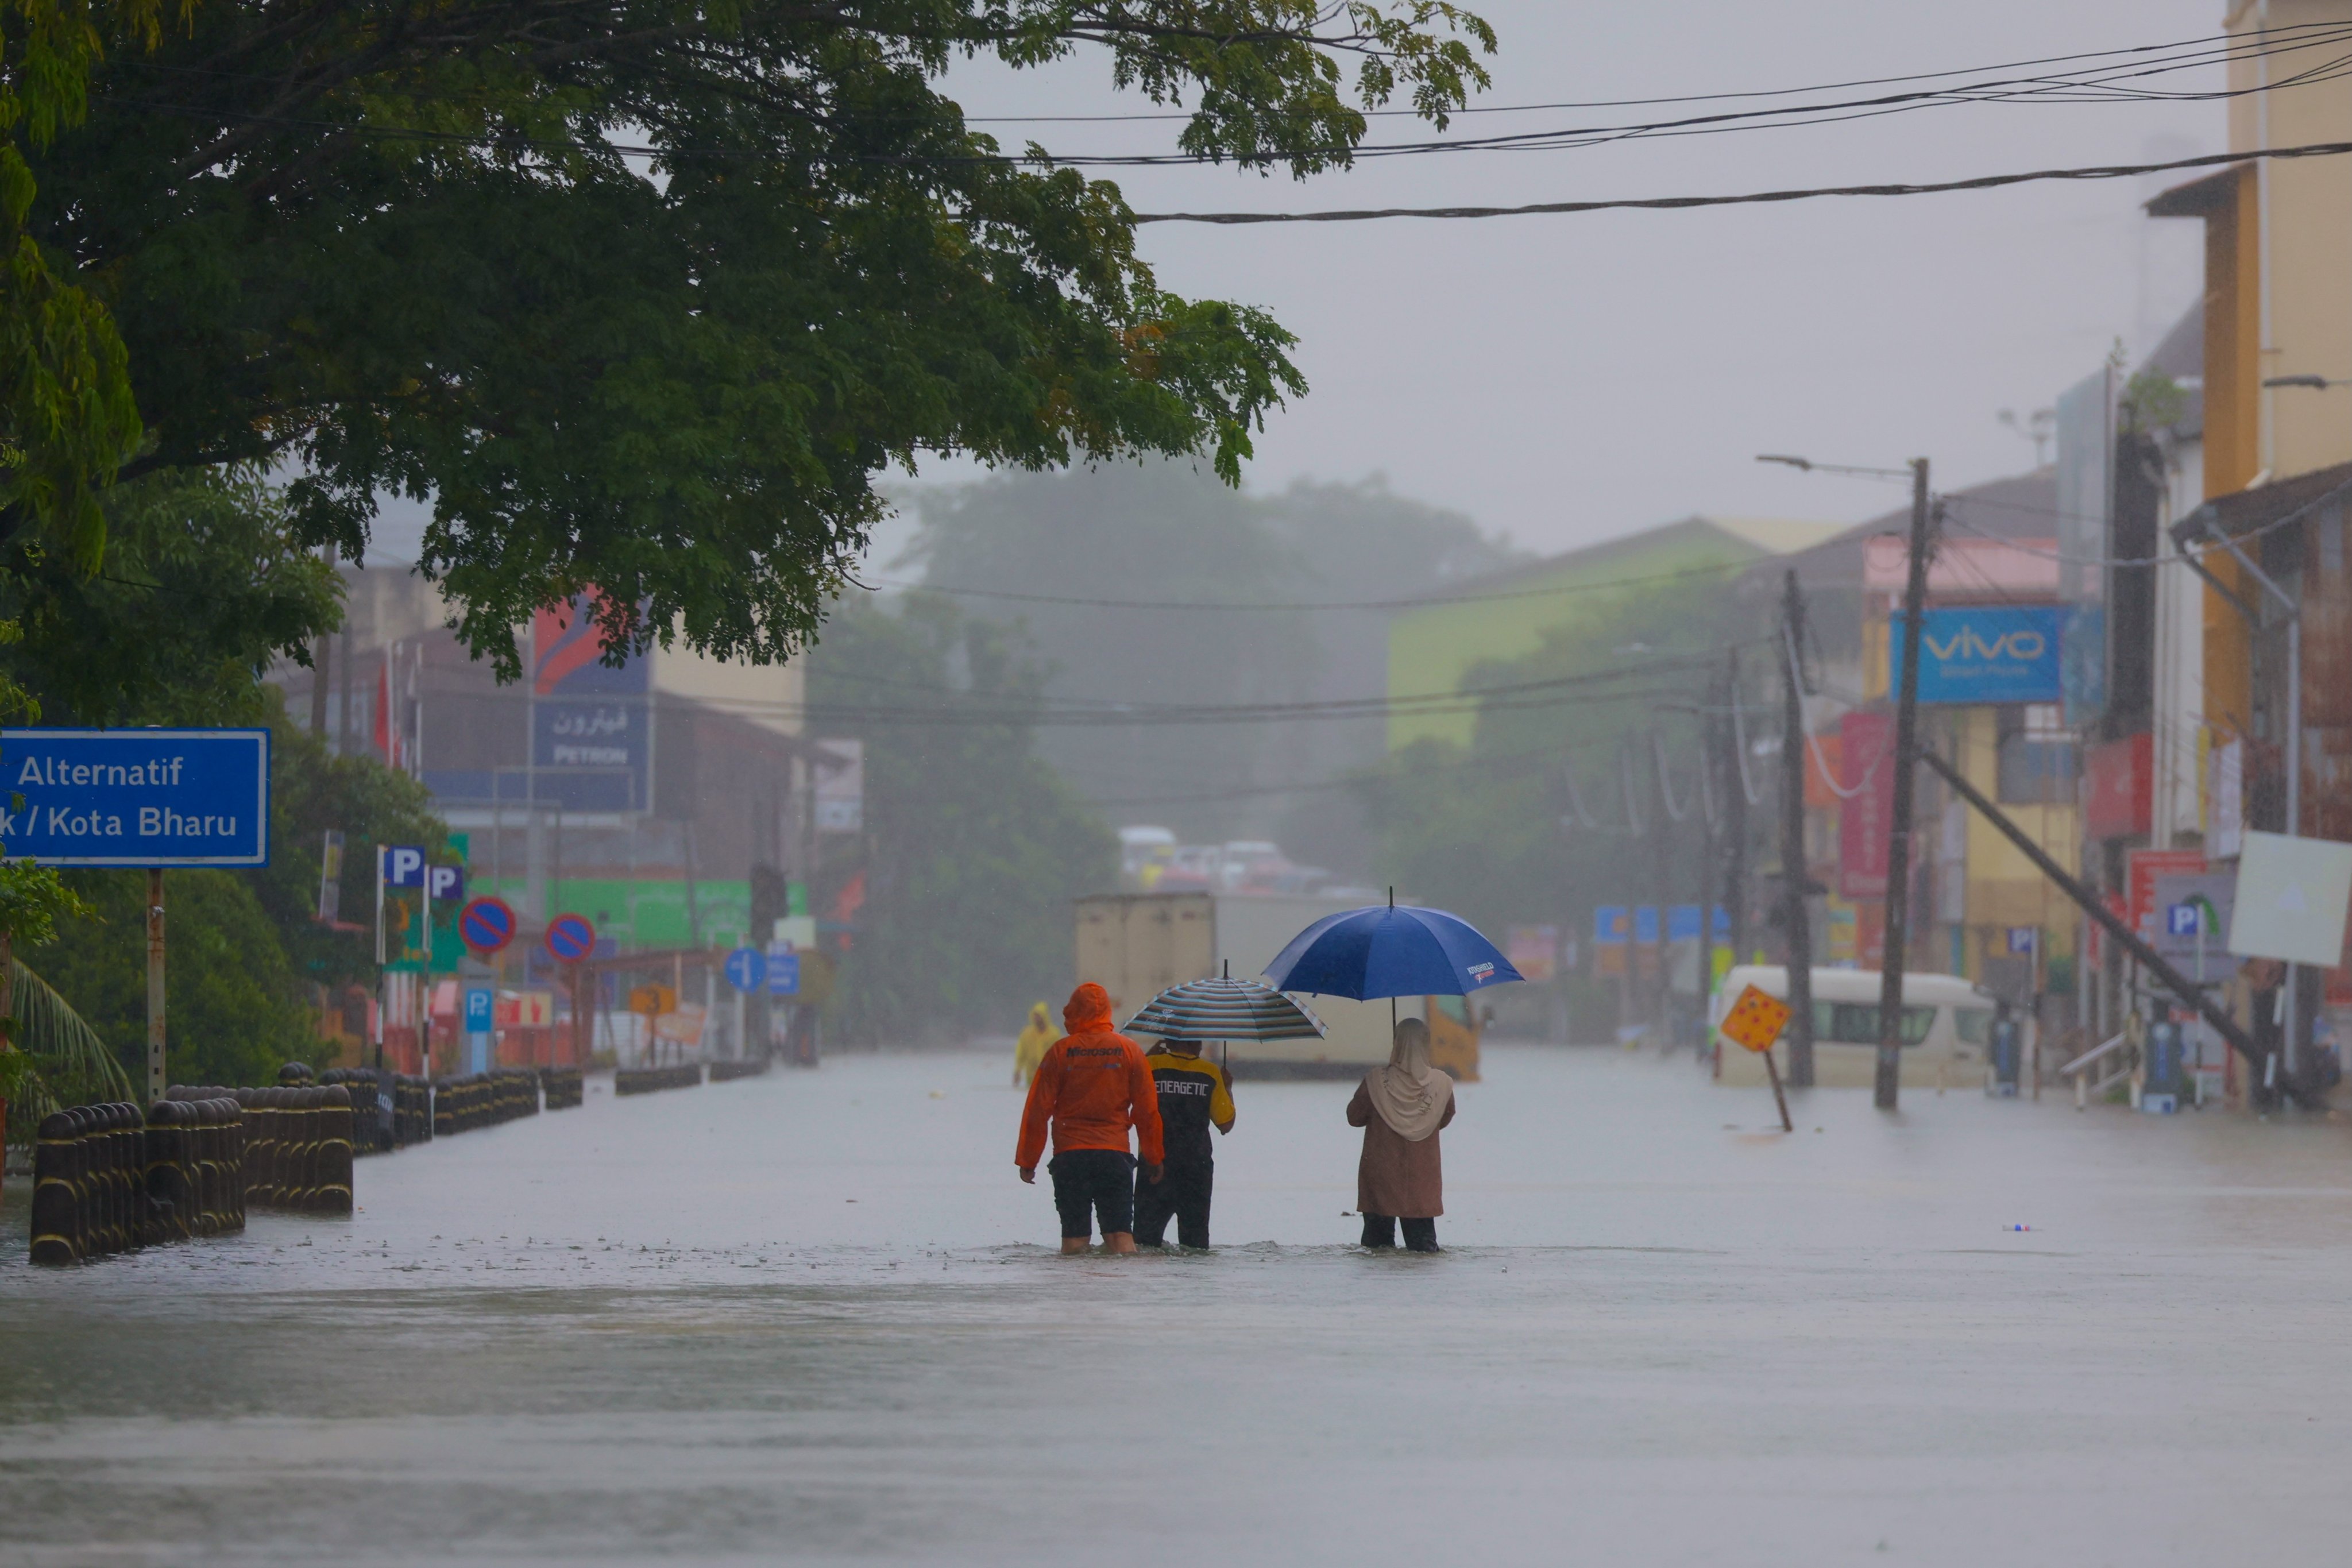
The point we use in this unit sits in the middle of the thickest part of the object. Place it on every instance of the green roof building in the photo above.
(1432, 647)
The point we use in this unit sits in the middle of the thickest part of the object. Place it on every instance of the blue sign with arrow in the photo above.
(746, 969)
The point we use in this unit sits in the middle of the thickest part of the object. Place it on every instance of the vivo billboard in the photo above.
(1987, 655)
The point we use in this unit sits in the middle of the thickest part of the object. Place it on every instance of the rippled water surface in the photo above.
(816, 1317)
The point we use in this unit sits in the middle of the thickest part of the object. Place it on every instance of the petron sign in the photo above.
(135, 797)
(1986, 653)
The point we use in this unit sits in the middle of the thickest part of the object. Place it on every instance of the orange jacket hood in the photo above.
(1088, 1011)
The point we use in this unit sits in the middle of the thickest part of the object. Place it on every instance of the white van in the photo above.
(1946, 1028)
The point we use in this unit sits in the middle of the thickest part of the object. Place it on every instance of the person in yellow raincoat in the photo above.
(1031, 1047)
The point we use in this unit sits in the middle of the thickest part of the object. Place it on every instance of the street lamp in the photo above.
(1887, 1086)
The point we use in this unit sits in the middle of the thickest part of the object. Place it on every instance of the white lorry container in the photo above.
(1136, 945)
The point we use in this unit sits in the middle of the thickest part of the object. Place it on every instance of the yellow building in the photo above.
(2278, 243)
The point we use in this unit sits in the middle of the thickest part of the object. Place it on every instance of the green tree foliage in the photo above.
(1481, 830)
(973, 847)
(67, 417)
(58, 1060)
(203, 588)
(1167, 533)
(233, 1001)
(643, 295)
(311, 791)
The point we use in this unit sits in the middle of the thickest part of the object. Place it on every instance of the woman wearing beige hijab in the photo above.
(1400, 1107)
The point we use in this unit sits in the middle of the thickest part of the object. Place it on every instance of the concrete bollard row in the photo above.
(647, 1080)
(107, 1179)
(195, 1168)
(297, 1146)
(724, 1072)
(563, 1088)
(484, 1099)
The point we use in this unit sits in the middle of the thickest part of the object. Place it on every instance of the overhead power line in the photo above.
(2286, 36)
(1756, 198)
(2106, 83)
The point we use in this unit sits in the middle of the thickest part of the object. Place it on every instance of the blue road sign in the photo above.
(404, 866)
(486, 924)
(2021, 939)
(1611, 923)
(570, 938)
(136, 797)
(447, 883)
(2181, 920)
(1987, 654)
(1645, 925)
(746, 969)
(478, 1009)
(785, 975)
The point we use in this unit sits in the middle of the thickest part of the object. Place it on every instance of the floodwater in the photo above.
(815, 1318)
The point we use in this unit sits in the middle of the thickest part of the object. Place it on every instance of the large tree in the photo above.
(408, 247)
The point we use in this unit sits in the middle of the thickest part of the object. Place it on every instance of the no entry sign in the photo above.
(486, 924)
(570, 938)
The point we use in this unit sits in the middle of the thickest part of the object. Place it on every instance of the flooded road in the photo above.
(815, 1318)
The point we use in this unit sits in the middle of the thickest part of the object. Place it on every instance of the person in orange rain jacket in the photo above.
(1091, 1087)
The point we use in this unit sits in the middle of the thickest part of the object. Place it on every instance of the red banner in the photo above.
(1866, 759)
(2115, 788)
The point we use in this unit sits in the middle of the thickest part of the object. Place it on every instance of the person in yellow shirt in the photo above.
(1194, 1096)
(1034, 1041)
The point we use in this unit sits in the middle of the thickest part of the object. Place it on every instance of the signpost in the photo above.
(488, 924)
(785, 975)
(481, 1004)
(570, 939)
(1754, 1021)
(746, 971)
(151, 798)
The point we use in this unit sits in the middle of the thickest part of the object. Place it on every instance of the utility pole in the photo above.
(1735, 820)
(1898, 835)
(1793, 915)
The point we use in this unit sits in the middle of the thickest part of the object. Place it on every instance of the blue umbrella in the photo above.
(1387, 950)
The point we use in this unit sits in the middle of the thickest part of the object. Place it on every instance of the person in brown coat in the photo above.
(1400, 1107)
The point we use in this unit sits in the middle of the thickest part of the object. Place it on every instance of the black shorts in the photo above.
(1091, 1184)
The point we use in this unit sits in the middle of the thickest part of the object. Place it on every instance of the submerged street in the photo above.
(814, 1317)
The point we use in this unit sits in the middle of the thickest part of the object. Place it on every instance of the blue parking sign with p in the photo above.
(478, 1011)
(2181, 920)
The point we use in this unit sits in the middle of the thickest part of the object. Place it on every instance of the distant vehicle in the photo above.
(1143, 854)
(1947, 1027)
(1137, 944)
(1192, 868)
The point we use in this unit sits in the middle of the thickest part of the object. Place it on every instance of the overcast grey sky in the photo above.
(1571, 378)
(1568, 379)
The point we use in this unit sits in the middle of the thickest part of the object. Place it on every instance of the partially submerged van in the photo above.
(1946, 1028)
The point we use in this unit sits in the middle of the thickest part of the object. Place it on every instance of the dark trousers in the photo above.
(1420, 1234)
(1181, 1192)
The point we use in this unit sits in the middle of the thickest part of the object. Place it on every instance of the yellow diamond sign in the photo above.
(1755, 1020)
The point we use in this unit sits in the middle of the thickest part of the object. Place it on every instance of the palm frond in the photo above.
(67, 1062)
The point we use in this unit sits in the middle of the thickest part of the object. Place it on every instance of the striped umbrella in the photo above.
(1225, 1009)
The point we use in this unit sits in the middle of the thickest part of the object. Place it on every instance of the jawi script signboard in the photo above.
(136, 797)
